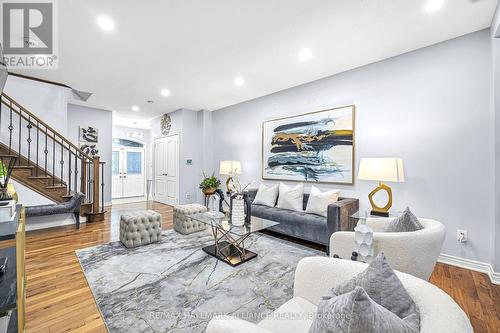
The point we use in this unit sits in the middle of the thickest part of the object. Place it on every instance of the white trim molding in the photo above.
(473, 265)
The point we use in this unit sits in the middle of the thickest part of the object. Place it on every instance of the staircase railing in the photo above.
(49, 154)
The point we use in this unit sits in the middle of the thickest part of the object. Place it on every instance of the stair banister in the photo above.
(89, 168)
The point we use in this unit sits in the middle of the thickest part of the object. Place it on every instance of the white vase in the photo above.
(238, 211)
(363, 239)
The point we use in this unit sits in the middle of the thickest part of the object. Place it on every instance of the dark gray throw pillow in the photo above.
(384, 287)
(407, 222)
(356, 312)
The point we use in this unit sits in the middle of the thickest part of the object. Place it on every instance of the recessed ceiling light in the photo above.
(106, 23)
(305, 54)
(135, 108)
(165, 92)
(239, 81)
(434, 5)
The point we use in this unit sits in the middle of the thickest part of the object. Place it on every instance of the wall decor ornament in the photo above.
(89, 137)
(89, 148)
(311, 147)
(89, 134)
(165, 124)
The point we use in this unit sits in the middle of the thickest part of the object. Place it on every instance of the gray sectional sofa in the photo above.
(310, 227)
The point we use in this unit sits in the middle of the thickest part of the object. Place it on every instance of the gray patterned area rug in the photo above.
(173, 286)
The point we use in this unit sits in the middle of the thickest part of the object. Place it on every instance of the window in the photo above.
(127, 143)
(134, 163)
(115, 163)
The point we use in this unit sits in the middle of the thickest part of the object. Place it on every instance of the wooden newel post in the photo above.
(95, 185)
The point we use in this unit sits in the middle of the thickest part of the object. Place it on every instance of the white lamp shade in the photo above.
(388, 169)
(230, 168)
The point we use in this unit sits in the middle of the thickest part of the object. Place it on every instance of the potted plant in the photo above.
(7, 190)
(209, 184)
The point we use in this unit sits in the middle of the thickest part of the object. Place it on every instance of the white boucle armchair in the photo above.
(414, 252)
(315, 276)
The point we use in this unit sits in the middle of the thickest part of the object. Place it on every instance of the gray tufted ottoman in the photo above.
(140, 228)
(182, 222)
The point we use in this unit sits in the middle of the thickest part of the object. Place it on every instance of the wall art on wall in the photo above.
(89, 134)
(89, 148)
(312, 147)
(165, 124)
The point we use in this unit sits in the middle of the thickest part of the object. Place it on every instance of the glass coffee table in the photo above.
(229, 240)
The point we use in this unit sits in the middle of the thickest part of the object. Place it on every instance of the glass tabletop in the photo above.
(256, 223)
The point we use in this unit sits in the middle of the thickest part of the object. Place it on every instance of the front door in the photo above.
(128, 172)
(167, 170)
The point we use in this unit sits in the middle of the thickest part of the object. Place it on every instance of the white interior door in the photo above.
(133, 175)
(128, 173)
(167, 170)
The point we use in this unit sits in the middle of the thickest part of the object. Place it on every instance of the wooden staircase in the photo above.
(47, 162)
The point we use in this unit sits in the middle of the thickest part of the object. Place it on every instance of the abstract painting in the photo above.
(312, 147)
(89, 134)
(89, 148)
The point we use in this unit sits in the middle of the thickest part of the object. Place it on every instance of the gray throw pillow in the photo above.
(356, 312)
(407, 222)
(384, 287)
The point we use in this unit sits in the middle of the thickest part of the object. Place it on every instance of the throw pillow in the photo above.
(266, 195)
(407, 222)
(356, 312)
(318, 201)
(384, 287)
(291, 197)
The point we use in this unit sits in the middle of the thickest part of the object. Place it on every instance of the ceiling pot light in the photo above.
(305, 54)
(239, 81)
(135, 108)
(165, 92)
(106, 23)
(434, 5)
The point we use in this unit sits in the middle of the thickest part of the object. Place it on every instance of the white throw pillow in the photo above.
(291, 197)
(318, 201)
(266, 195)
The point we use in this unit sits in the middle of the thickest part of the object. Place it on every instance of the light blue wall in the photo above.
(432, 107)
(495, 43)
(187, 125)
(102, 120)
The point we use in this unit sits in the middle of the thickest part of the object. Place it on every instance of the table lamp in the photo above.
(230, 168)
(381, 170)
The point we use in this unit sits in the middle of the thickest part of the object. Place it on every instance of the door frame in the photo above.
(153, 190)
(144, 163)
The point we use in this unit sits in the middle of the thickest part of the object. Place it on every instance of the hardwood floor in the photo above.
(59, 299)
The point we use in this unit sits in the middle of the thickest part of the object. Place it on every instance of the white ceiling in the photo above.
(196, 48)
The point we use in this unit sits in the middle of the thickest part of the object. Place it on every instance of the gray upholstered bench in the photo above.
(140, 228)
(182, 222)
(69, 207)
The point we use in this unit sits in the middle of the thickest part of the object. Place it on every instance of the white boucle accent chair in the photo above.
(413, 252)
(315, 276)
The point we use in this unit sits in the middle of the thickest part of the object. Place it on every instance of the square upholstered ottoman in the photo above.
(140, 228)
(184, 224)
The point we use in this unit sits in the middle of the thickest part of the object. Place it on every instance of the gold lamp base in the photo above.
(381, 211)
(228, 185)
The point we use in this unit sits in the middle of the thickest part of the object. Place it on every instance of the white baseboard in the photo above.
(473, 265)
